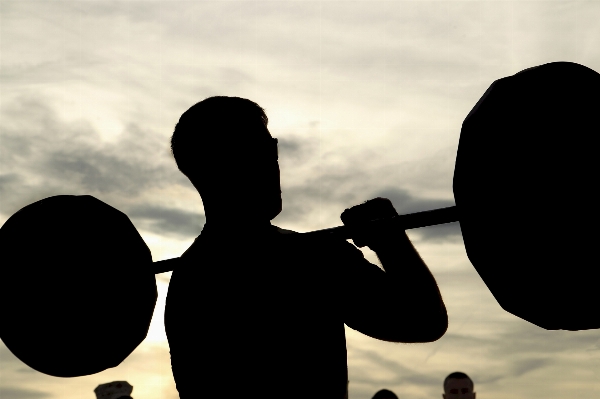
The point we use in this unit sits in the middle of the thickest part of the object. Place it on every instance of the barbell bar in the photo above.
(525, 199)
(405, 222)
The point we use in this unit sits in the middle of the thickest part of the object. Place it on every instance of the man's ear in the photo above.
(444, 396)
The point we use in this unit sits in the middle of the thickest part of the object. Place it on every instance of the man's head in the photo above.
(385, 394)
(223, 146)
(114, 390)
(458, 385)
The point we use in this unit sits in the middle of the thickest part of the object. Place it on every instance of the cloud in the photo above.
(6, 356)
(167, 221)
(42, 155)
(322, 194)
(399, 76)
(12, 374)
(524, 366)
(293, 149)
(7, 182)
(398, 373)
(21, 393)
(529, 340)
(333, 190)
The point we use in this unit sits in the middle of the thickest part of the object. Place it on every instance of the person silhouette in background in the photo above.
(114, 390)
(458, 385)
(385, 394)
(261, 310)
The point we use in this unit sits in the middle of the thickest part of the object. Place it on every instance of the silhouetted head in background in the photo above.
(223, 146)
(458, 385)
(385, 394)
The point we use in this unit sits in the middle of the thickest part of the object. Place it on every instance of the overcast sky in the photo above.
(366, 98)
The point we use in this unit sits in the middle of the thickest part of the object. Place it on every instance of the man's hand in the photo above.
(356, 219)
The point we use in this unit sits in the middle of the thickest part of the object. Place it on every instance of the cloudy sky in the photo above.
(367, 99)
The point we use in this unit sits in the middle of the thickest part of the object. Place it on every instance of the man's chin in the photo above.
(276, 210)
(275, 214)
(268, 208)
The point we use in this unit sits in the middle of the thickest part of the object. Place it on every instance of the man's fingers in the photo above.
(357, 218)
(376, 208)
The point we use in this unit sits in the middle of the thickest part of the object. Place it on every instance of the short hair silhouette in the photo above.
(211, 129)
(458, 375)
(385, 394)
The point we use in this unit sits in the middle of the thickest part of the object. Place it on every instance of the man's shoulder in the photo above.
(325, 246)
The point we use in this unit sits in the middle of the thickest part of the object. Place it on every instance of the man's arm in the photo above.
(402, 304)
(414, 285)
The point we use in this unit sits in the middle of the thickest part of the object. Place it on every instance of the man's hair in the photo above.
(458, 375)
(209, 129)
(385, 394)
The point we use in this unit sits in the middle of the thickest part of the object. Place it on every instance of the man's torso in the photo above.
(258, 316)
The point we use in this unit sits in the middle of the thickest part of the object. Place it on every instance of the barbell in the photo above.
(82, 281)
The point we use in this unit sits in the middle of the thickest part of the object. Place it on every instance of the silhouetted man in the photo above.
(384, 394)
(259, 310)
(458, 385)
(114, 390)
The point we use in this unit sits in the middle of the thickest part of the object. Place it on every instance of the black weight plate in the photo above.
(524, 184)
(79, 291)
